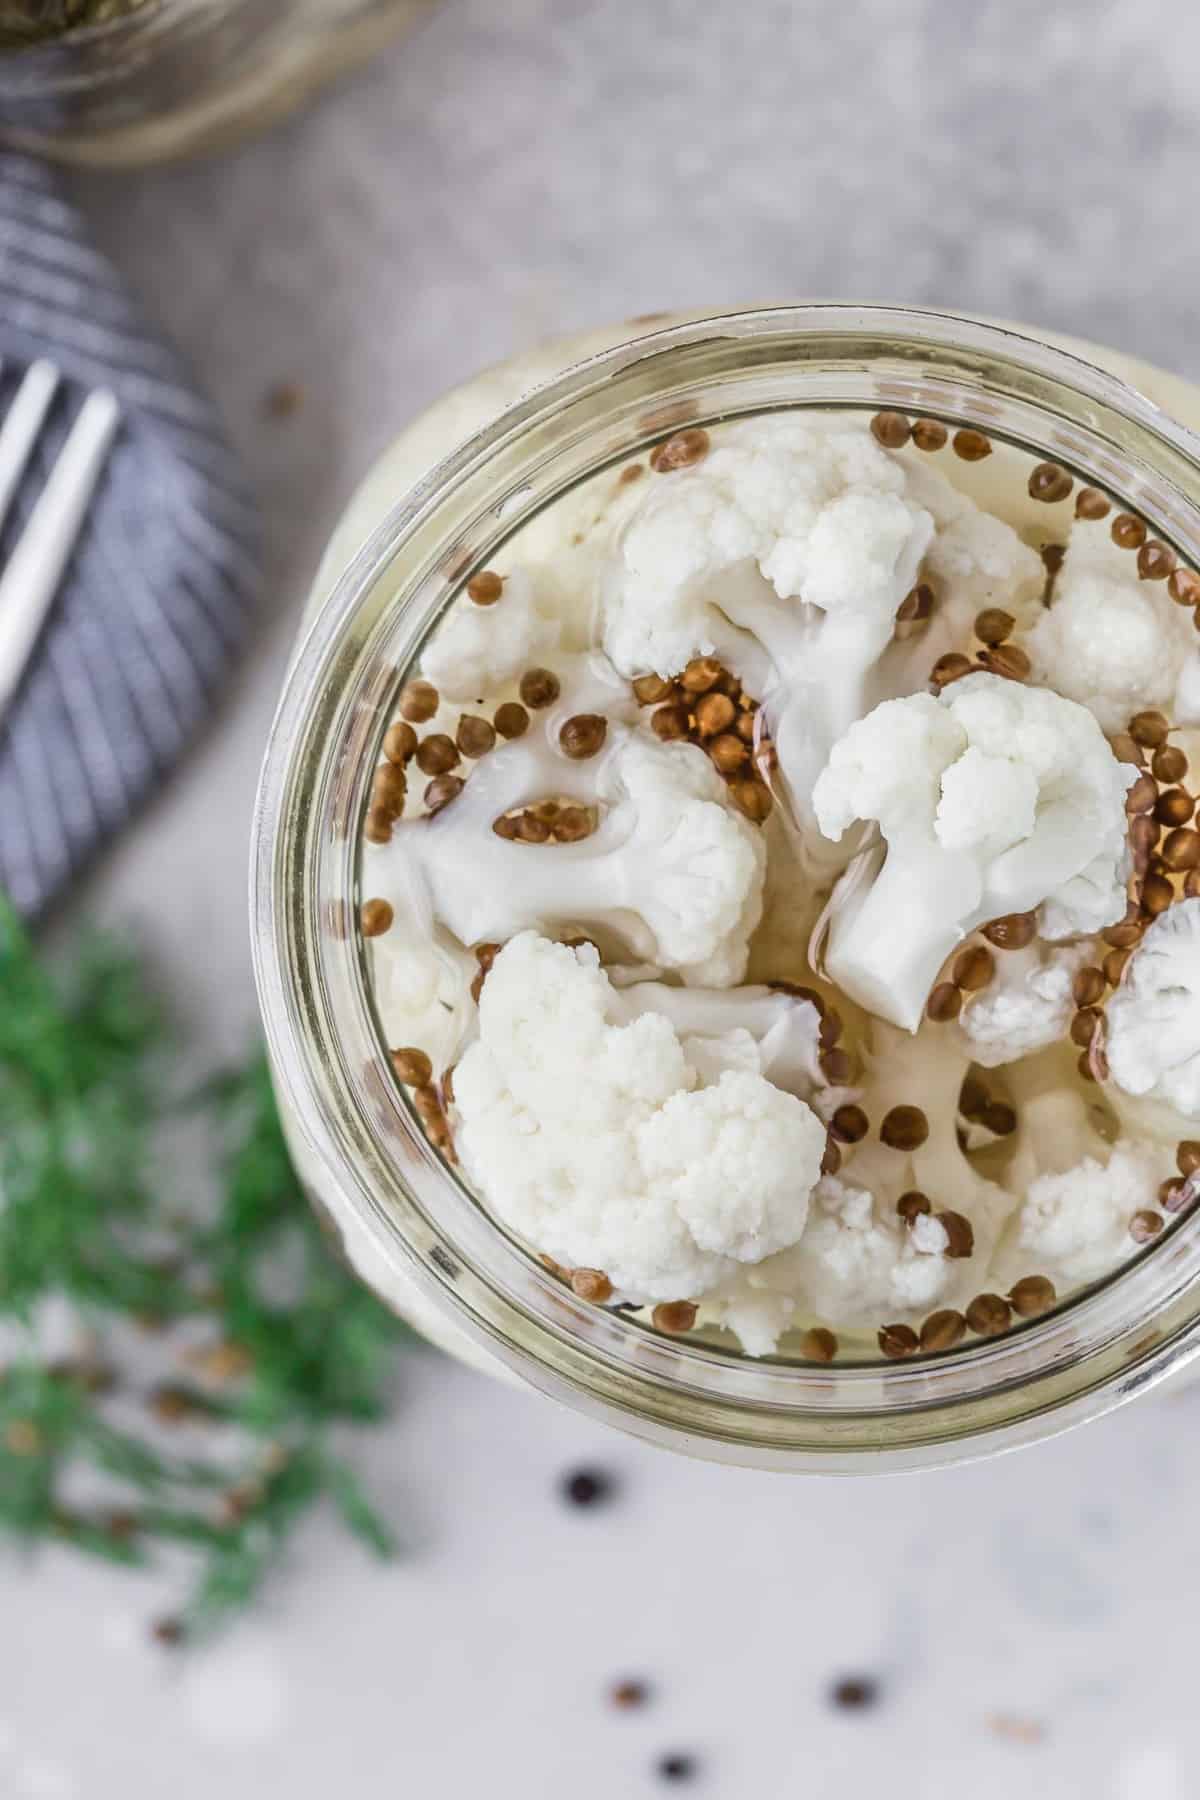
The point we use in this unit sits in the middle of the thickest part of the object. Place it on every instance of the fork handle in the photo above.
(31, 578)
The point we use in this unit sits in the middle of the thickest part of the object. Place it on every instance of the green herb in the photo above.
(260, 1328)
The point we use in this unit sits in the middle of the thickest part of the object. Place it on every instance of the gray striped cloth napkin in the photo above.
(155, 603)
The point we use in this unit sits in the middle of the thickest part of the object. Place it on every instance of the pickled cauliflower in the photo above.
(602, 1144)
(1153, 1040)
(993, 798)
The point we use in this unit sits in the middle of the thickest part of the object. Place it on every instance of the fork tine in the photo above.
(30, 581)
(23, 421)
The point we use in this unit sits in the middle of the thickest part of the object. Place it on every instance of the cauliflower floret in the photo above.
(604, 1147)
(975, 559)
(1075, 1226)
(992, 798)
(1116, 644)
(673, 870)
(1153, 1041)
(477, 650)
(422, 991)
(1027, 1005)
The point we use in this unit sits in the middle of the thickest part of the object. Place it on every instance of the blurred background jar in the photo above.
(116, 83)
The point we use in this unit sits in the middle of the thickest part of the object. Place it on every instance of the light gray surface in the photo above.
(518, 170)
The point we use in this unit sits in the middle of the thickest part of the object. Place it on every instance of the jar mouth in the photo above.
(395, 1201)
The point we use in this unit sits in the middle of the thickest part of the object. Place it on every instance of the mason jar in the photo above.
(453, 490)
(112, 83)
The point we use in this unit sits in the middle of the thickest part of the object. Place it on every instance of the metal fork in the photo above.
(31, 577)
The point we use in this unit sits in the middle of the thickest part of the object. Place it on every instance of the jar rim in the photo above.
(392, 1192)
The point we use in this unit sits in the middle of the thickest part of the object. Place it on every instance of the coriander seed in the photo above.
(945, 1002)
(973, 969)
(1155, 562)
(412, 1067)
(475, 736)
(591, 1284)
(930, 435)
(583, 736)
(960, 1234)
(942, 1330)
(701, 674)
(674, 1317)
(1090, 503)
(400, 742)
(850, 1124)
(670, 723)
(419, 700)
(1145, 1226)
(539, 688)
(437, 754)
(680, 451)
(485, 588)
(993, 625)
(1012, 932)
(891, 429)
(649, 690)
(972, 446)
(1128, 531)
(375, 917)
(441, 791)
(904, 1128)
(989, 1315)
(511, 720)
(1050, 483)
(1183, 585)
(818, 1345)
(897, 1341)
(1031, 1295)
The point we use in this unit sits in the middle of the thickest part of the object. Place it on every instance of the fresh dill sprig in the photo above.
(262, 1329)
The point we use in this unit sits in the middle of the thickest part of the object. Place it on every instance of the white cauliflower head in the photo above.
(479, 649)
(603, 1146)
(993, 798)
(1028, 1004)
(1116, 644)
(1153, 1041)
(1074, 1226)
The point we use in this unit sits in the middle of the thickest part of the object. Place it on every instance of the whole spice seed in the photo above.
(1181, 850)
(850, 1124)
(437, 754)
(818, 1345)
(1084, 1025)
(1155, 562)
(628, 1694)
(973, 969)
(1049, 482)
(898, 1341)
(1187, 1156)
(1092, 1063)
(531, 829)
(1157, 895)
(1175, 806)
(1087, 986)
(587, 1487)
(442, 790)
(1142, 796)
(1144, 833)
(891, 429)
(485, 588)
(999, 1118)
(1125, 934)
(1090, 503)
(592, 1284)
(506, 827)
(400, 742)
(1128, 531)
(649, 690)
(930, 434)
(511, 720)
(916, 605)
(1183, 585)
(1149, 728)
(418, 702)
(989, 1315)
(912, 1205)
(1031, 1295)
(475, 736)
(375, 917)
(1169, 763)
(904, 1128)
(680, 451)
(951, 667)
(836, 1067)
(752, 798)
(377, 827)
(573, 824)
(583, 736)
(388, 789)
(1191, 884)
(993, 625)
(746, 727)
(670, 723)
(412, 1067)
(539, 688)
(1144, 1226)
(729, 753)
(1012, 932)
(942, 1330)
(1114, 966)
(945, 1002)
(701, 674)
(972, 446)
(960, 1233)
(854, 1693)
(632, 472)
(1006, 660)
(831, 1162)
(674, 1317)
(427, 1103)
(714, 714)
(1127, 751)
(1173, 1196)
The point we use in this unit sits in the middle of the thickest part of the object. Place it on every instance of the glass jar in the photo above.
(463, 480)
(164, 78)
